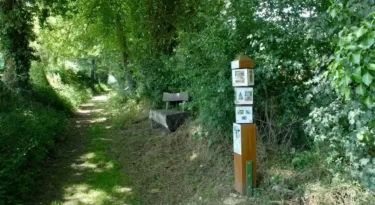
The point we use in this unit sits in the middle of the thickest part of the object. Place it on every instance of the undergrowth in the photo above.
(27, 132)
(30, 123)
(60, 87)
(180, 168)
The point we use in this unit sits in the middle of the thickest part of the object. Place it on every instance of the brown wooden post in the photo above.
(244, 130)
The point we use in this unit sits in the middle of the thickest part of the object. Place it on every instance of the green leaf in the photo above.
(360, 31)
(358, 71)
(371, 66)
(360, 90)
(360, 136)
(367, 78)
(369, 101)
(347, 79)
(346, 91)
(364, 161)
(357, 76)
(367, 41)
(333, 12)
(372, 86)
(355, 58)
(351, 47)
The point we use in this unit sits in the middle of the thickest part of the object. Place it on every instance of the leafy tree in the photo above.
(17, 33)
(346, 121)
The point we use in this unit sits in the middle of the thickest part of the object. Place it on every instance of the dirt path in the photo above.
(94, 161)
(82, 168)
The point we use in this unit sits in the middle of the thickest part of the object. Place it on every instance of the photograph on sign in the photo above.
(243, 77)
(239, 76)
(244, 114)
(237, 138)
(244, 96)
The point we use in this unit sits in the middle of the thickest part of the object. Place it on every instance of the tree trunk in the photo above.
(127, 74)
(128, 77)
(93, 71)
(15, 42)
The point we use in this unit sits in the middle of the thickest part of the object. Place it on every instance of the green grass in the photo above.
(105, 181)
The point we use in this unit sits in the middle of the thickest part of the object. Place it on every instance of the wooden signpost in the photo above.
(244, 130)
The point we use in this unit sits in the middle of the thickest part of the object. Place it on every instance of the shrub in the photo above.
(27, 132)
(284, 51)
(345, 124)
(58, 87)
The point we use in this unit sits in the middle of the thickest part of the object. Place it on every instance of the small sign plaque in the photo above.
(237, 138)
(244, 96)
(244, 114)
(242, 77)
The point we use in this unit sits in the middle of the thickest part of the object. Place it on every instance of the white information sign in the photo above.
(244, 114)
(242, 77)
(244, 96)
(237, 139)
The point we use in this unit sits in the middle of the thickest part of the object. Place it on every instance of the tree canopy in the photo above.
(314, 71)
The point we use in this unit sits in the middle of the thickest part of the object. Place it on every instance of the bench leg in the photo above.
(153, 124)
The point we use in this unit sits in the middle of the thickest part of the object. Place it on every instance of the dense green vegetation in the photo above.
(315, 69)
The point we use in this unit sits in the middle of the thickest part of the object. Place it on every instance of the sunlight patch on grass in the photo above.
(85, 165)
(87, 105)
(193, 156)
(93, 121)
(123, 190)
(104, 180)
(101, 98)
(82, 111)
(87, 156)
(83, 195)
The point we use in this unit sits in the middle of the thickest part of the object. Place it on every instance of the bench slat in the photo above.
(174, 97)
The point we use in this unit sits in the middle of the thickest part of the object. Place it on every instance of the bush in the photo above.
(284, 51)
(30, 123)
(58, 87)
(345, 124)
(27, 132)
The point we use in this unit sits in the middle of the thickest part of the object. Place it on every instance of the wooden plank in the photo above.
(174, 97)
(248, 153)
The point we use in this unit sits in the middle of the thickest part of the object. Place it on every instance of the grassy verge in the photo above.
(178, 168)
(28, 130)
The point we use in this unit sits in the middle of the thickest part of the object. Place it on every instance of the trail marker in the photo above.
(244, 130)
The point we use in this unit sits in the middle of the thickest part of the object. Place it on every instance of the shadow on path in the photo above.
(81, 169)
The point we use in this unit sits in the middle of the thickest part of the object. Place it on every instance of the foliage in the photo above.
(29, 125)
(16, 35)
(27, 131)
(346, 120)
(286, 43)
(309, 67)
(44, 92)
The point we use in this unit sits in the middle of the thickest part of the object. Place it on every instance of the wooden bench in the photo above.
(170, 118)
